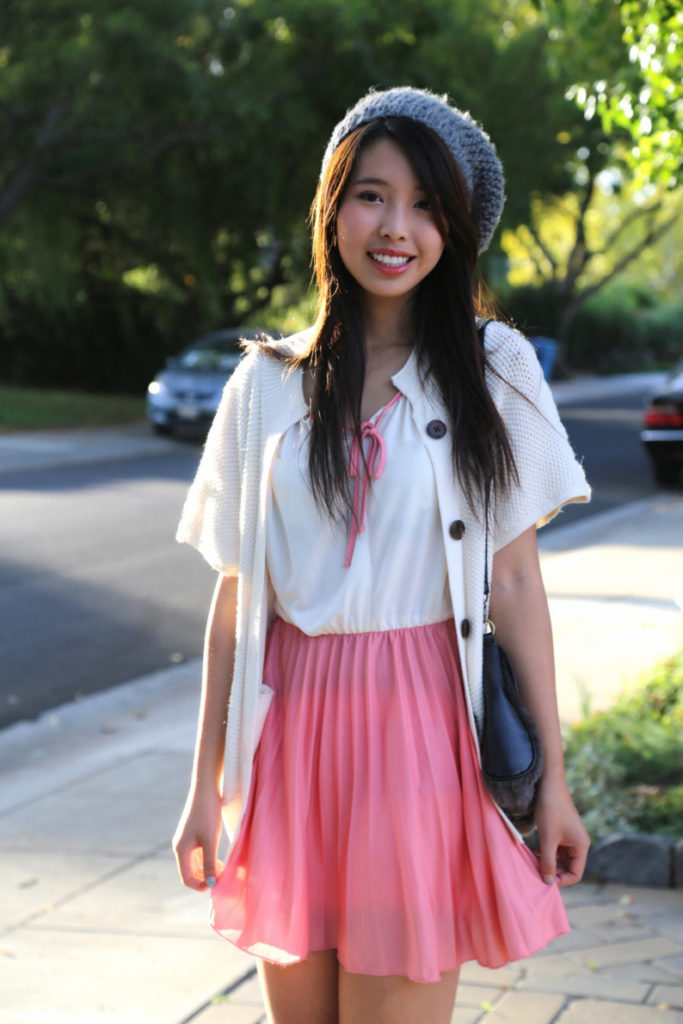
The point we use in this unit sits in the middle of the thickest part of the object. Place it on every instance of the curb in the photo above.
(52, 449)
(655, 861)
(652, 861)
(590, 388)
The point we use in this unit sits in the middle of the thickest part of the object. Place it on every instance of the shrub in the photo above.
(618, 330)
(625, 765)
(533, 310)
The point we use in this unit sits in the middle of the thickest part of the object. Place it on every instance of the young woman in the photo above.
(340, 498)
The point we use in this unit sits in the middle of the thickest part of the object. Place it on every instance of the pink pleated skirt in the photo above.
(367, 828)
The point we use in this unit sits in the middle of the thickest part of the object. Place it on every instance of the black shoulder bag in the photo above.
(511, 756)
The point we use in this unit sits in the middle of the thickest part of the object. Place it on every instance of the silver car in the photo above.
(184, 396)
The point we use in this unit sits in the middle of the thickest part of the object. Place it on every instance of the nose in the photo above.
(394, 221)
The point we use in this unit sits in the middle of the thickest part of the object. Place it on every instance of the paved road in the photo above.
(605, 434)
(93, 590)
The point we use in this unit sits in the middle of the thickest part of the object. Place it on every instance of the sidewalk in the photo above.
(96, 928)
(47, 449)
(579, 389)
(615, 587)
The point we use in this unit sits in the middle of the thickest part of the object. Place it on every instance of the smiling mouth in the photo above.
(395, 262)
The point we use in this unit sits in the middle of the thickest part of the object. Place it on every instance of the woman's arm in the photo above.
(519, 609)
(195, 842)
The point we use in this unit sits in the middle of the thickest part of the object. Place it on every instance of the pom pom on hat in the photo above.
(474, 152)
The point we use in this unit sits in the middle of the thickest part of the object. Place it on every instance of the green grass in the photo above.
(625, 765)
(41, 409)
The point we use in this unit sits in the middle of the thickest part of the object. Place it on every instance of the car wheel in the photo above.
(666, 473)
(162, 429)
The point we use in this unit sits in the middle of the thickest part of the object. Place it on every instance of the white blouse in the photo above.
(385, 567)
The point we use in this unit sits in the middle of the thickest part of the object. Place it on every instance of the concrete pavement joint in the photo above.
(120, 869)
(556, 1018)
(231, 988)
(104, 769)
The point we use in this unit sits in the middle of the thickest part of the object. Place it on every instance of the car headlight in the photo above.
(158, 390)
(160, 396)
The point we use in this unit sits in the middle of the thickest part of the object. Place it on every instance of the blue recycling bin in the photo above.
(546, 350)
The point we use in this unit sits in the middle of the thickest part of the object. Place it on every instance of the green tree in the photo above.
(642, 99)
(157, 160)
(624, 155)
(578, 244)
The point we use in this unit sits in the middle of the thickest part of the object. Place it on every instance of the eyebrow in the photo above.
(380, 181)
(370, 181)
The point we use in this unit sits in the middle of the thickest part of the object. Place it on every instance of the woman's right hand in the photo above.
(196, 839)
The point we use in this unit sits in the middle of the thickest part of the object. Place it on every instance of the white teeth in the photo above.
(390, 261)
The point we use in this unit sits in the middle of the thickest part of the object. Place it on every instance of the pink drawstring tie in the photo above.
(374, 465)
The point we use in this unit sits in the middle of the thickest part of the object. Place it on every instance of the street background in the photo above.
(92, 788)
(157, 162)
(91, 567)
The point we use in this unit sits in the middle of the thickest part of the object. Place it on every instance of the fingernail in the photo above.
(211, 881)
(548, 879)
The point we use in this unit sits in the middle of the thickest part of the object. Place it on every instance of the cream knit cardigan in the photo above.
(225, 511)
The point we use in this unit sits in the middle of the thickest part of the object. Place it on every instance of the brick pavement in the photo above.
(621, 964)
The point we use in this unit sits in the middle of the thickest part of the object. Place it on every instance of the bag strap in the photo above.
(488, 624)
(487, 589)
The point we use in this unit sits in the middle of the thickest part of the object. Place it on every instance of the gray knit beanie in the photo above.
(470, 145)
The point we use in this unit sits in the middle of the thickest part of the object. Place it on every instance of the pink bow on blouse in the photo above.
(373, 465)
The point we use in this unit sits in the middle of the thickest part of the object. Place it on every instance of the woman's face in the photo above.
(386, 233)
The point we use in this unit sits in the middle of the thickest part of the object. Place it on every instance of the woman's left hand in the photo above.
(563, 839)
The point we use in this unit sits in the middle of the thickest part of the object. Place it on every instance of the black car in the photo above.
(184, 396)
(662, 432)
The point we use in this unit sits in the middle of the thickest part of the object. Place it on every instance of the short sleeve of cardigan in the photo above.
(549, 474)
(210, 516)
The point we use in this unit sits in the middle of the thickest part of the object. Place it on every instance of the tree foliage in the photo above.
(625, 157)
(577, 244)
(157, 159)
(643, 97)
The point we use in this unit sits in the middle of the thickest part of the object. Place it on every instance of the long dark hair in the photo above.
(445, 335)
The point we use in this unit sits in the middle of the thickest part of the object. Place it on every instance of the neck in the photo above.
(387, 322)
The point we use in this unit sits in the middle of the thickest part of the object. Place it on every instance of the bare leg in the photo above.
(303, 993)
(365, 999)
